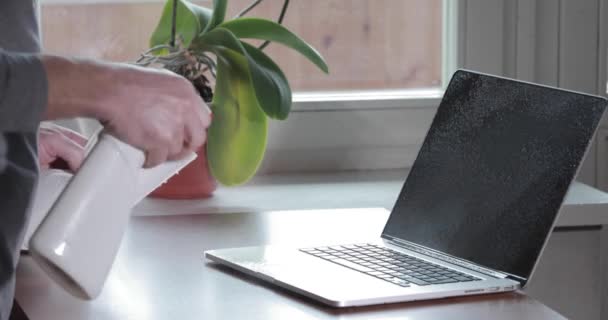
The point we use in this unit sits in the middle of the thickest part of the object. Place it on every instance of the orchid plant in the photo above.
(209, 50)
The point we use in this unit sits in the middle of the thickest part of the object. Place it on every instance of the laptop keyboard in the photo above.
(389, 265)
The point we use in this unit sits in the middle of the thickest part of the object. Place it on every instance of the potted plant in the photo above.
(248, 86)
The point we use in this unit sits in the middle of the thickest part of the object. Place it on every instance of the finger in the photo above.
(74, 136)
(202, 110)
(177, 145)
(50, 127)
(64, 148)
(45, 157)
(195, 131)
(155, 157)
(205, 114)
(188, 150)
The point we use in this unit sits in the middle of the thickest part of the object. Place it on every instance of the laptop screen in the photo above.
(493, 170)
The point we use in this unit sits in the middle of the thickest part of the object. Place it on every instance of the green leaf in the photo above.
(270, 84)
(190, 21)
(219, 14)
(275, 98)
(237, 136)
(256, 28)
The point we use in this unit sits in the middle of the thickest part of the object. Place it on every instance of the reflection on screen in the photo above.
(494, 169)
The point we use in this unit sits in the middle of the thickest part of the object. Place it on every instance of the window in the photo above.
(389, 60)
(369, 44)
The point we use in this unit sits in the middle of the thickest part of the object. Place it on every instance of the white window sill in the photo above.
(584, 205)
(367, 100)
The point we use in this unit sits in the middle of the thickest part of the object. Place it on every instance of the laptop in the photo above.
(474, 213)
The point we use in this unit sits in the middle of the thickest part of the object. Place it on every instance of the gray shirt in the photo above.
(23, 95)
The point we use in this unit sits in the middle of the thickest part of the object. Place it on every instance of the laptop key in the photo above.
(398, 281)
(418, 281)
(315, 252)
(331, 257)
(443, 281)
(352, 265)
(462, 279)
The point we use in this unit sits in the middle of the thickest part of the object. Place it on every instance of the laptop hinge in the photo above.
(516, 278)
(450, 259)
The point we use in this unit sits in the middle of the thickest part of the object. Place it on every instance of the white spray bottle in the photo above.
(77, 240)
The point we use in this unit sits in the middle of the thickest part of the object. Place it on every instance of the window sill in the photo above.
(367, 100)
(584, 205)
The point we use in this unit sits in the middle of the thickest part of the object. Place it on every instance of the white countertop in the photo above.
(584, 205)
(160, 273)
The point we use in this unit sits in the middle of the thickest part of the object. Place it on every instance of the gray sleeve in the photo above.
(23, 95)
(23, 91)
(17, 184)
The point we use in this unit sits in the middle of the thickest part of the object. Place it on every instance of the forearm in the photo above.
(78, 87)
(43, 87)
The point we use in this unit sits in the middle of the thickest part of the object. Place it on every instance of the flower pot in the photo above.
(193, 182)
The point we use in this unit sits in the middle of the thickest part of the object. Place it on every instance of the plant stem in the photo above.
(249, 8)
(173, 22)
(279, 21)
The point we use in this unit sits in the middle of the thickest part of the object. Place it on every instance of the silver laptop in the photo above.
(475, 211)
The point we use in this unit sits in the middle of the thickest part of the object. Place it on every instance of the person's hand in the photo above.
(154, 110)
(159, 112)
(60, 148)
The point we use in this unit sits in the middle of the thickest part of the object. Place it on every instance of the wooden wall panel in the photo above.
(547, 42)
(484, 36)
(369, 44)
(578, 59)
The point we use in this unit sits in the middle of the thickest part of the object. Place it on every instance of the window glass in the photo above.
(368, 44)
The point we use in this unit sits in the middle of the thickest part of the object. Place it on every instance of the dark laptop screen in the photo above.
(493, 170)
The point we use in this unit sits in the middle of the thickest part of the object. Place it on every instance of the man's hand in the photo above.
(154, 110)
(60, 148)
(165, 116)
